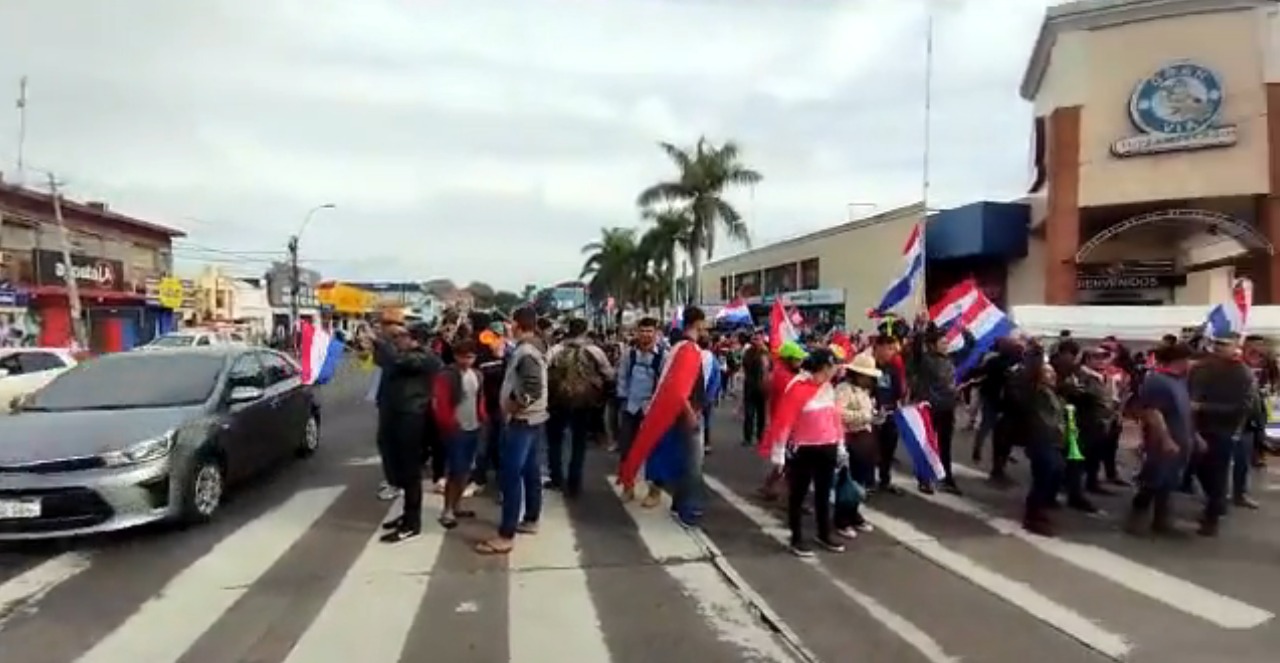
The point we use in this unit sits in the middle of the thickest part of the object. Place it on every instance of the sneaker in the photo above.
(801, 550)
(847, 533)
(470, 490)
(398, 535)
(865, 527)
(387, 492)
(831, 545)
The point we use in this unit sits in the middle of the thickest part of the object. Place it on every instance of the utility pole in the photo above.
(68, 274)
(293, 292)
(21, 105)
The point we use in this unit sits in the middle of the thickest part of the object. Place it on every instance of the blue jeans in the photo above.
(520, 476)
(686, 499)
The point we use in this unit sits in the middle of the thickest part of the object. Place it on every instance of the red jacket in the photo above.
(447, 395)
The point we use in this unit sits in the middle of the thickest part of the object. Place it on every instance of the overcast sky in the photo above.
(491, 139)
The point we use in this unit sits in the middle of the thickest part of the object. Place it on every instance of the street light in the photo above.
(293, 271)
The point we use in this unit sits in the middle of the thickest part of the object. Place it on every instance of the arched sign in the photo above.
(1228, 225)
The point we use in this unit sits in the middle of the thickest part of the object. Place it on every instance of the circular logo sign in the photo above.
(1178, 99)
(170, 292)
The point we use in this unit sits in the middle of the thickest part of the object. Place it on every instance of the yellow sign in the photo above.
(170, 293)
(346, 299)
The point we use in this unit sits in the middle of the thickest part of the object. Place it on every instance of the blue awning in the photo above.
(979, 230)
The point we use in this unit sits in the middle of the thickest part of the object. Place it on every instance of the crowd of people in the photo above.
(477, 401)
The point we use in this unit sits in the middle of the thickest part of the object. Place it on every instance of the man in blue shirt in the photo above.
(638, 372)
(1168, 438)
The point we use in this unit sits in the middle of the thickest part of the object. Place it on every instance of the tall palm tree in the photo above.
(609, 269)
(704, 174)
(670, 234)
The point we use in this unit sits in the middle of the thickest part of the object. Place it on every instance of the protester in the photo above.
(578, 374)
(1168, 439)
(890, 393)
(460, 416)
(1223, 396)
(1034, 394)
(405, 397)
(755, 387)
(637, 376)
(858, 414)
(524, 402)
(935, 383)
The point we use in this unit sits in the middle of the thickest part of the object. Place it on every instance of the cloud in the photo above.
(490, 139)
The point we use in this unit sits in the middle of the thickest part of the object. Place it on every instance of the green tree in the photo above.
(703, 176)
(610, 266)
(659, 247)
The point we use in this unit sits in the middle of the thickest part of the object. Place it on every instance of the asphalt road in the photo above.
(290, 572)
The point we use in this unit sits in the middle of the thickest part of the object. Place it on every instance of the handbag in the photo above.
(846, 493)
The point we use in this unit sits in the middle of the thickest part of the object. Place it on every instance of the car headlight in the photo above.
(142, 452)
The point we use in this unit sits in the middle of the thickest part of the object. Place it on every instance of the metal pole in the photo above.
(293, 292)
(21, 104)
(68, 274)
(928, 131)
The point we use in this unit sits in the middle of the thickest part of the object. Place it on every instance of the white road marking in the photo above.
(552, 616)
(726, 612)
(166, 626)
(1174, 592)
(369, 616)
(907, 631)
(364, 462)
(21, 595)
(1019, 594)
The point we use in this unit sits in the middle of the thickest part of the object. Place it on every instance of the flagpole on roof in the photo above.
(928, 135)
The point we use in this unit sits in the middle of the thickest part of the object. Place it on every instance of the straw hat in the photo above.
(864, 364)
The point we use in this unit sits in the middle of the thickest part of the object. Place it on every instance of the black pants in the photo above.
(810, 466)
(433, 448)
(404, 458)
(386, 421)
(1047, 469)
(861, 471)
(753, 415)
(1100, 449)
(944, 426)
(1002, 438)
(1213, 471)
(578, 424)
(887, 444)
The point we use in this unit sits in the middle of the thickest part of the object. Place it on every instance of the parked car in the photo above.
(24, 370)
(138, 437)
(194, 338)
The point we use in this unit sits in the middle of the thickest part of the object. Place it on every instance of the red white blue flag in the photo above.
(916, 428)
(319, 353)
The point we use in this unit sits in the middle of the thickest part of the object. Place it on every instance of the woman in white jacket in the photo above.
(858, 415)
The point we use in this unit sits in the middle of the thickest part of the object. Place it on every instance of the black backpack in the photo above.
(656, 365)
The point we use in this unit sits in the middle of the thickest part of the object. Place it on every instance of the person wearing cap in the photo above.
(790, 357)
(807, 434)
(858, 414)
(1223, 394)
(935, 383)
(1097, 414)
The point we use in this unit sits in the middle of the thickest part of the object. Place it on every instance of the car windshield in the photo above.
(174, 341)
(131, 381)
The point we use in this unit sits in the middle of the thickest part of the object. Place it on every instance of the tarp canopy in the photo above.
(1130, 323)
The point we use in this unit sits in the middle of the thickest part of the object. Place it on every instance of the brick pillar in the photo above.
(1062, 223)
(1266, 272)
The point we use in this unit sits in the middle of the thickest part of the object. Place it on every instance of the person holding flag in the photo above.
(790, 356)
(677, 405)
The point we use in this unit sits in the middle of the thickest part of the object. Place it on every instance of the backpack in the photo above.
(655, 366)
(575, 377)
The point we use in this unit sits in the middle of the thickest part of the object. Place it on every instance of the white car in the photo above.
(24, 370)
(193, 338)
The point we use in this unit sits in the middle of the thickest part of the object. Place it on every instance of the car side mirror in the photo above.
(241, 395)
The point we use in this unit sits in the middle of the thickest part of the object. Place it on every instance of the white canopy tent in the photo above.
(1130, 323)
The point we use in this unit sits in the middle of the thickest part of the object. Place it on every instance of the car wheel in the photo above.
(205, 489)
(310, 437)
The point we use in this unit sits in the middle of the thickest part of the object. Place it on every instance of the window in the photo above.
(9, 364)
(724, 288)
(247, 371)
(278, 370)
(203, 340)
(34, 362)
(746, 284)
(809, 275)
(779, 279)
(130, 380)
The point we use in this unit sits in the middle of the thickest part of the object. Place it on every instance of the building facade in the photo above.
(113, 258)
(1158, 147)
(832, 275)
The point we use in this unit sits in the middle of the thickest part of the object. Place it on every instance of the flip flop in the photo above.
(491, 548)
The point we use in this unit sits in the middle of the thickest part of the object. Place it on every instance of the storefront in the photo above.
(1157, 141)
(344, 304)
(113, 315)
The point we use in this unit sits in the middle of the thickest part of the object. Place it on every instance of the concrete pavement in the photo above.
(291, 572)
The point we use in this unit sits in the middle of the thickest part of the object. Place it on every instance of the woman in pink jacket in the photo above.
(806, 435)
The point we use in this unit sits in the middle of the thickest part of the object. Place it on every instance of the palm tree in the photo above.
(609, 269)
(670, 233)
(704, 174)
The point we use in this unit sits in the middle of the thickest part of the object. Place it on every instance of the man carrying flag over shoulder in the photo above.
(678, 401)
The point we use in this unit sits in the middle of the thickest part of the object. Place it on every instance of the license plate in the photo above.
(19, 509)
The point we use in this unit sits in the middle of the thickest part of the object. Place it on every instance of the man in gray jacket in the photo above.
(523, 398)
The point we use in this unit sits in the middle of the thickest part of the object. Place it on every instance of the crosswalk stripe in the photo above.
(21, 594)
(1019, 594)
(167, 625)
(543, 566)
(904, 628)
(725, 611)
(369, 615)
(1172, 591)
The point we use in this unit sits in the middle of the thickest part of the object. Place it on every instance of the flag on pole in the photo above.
(912, 265)
(781, 328)
(916, 428)
(1231, 317)
(319, 353)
